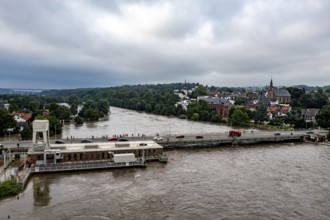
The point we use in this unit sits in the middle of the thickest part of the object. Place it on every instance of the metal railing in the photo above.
(84, 166)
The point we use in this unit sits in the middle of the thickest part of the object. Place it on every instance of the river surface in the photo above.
(278, 181)
(123, 121)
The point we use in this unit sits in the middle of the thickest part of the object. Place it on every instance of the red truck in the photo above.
(234, 133)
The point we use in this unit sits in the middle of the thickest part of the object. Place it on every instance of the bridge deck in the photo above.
(243, 140)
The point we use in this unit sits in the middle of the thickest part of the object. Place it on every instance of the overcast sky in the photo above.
(77, 44)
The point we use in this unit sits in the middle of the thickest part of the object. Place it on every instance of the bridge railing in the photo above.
(83, 166)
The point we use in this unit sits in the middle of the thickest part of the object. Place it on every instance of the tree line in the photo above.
(89, 104)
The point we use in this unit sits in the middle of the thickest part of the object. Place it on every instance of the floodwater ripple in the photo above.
(279, 181)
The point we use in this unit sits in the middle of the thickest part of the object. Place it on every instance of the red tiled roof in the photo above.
(26, 116)
(272, 109)
(285, 109)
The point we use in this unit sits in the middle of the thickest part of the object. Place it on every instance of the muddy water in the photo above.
(265, 182)
(122, 121)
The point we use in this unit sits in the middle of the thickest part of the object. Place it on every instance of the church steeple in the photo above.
(271, 83)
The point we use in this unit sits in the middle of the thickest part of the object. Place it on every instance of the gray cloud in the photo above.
(69, 44)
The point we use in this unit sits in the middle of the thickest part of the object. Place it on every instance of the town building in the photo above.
(220, 105)
(4, 104)
(282, 95)
(22, 119)
(309, 114)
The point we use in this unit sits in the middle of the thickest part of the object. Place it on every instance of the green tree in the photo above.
(276, 121)
(6, 121)
(260, 115)
(239, 118)
(78, 120)
(316, 99)
(323, 118)
(183, 116)
(179, 110)
(239, 101)
(34, 105)
(196, 107)
(195, 117)
(74, 100)
(26, 134)
(13, 107)
(103, 106)
(148, 108)
(74, 109)
(60, 112)
(9, 188)
(91, 115)
(291, 117)
(199, 91)
(215, 118)
(295, 92)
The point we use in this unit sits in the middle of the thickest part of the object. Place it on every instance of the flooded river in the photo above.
(122, 121)
(279, 181)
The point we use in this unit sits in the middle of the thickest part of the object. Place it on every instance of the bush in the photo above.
(183, 116)
(9, 188)
(78, 120)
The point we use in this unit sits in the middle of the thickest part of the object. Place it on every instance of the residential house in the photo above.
(309, 114)
(22, 119)
(278, 110)
(184, 104)
(4, 104)
(220, 105)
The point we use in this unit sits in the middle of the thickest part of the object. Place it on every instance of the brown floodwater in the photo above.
(284, 181)
(123, 121)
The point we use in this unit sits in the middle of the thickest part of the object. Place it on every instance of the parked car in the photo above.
(113, 139)
(180, 136)
(143, 144)
(158, 138)
(59, 142)
(86, 141)
(199, 137)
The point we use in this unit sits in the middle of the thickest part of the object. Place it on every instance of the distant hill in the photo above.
(19, 91)
(312, 88)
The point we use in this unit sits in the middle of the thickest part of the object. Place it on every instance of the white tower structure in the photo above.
(40, 126)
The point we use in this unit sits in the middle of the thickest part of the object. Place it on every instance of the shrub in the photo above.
(9, 188)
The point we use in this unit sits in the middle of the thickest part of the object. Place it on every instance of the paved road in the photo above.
(190, 137)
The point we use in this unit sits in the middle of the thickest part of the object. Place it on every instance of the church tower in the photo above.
(270, 94)
(271, 84)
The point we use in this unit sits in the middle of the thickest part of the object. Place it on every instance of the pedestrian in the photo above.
(17, 144)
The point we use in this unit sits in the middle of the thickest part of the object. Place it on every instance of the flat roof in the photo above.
(102, 146)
